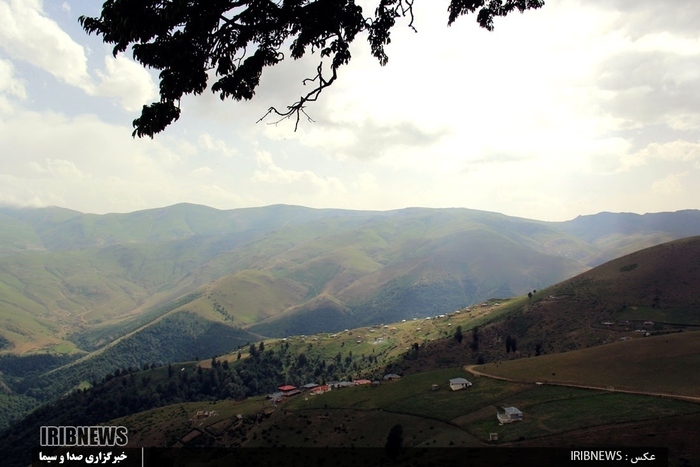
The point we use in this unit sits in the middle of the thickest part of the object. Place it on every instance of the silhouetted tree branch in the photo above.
(238, 39)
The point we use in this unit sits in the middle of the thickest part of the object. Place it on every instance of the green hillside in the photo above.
(67, 274)
(159, 404)
(170, 284)
(658, 364)
(650, 291)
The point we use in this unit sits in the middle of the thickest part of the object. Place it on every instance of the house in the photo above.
(459, 383)
(308, 387)
(320, 390)
(288, 390)
(276, 396)
(340, 384)
(509, 415)
(360, 382)
(391, 376)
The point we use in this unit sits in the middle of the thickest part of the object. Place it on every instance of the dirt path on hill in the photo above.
(472, 369)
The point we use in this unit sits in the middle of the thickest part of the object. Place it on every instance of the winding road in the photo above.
(472, 369)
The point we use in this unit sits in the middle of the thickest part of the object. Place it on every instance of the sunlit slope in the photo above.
(651, 291)
(65, 275)
(659, 364)
(392, 268)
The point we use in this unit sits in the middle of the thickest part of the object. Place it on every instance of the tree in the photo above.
(394, 441)
(475, 339)
(458, 334)
(511, 344)
(234, 40)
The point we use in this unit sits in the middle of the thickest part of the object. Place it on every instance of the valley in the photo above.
(157, 331)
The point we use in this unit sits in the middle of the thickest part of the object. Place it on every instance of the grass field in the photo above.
(576, 410)
(549, 410)
(677, 315)
(663, 364)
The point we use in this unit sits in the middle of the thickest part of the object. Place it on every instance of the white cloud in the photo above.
(575, 108)
(304, 181)
(674, 151)
(202, 171)
(207, 142)
(10, 87)
(84, 163)
(28, 34)
(670, 185)
(216, 195)
(127, 81)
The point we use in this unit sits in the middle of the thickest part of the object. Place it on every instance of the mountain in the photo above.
(73, 282)
(652, 291)
(83, 294)
(599, 312)
(621, 233)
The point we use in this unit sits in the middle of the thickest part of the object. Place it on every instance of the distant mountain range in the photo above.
(73, 282)
(172, 284)
(645, 304)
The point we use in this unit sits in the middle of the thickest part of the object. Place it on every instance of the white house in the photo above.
(459, 383)
(509, 415)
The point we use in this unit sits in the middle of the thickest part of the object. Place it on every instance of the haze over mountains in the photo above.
(625, 330)
(72, 282)
(83, 296)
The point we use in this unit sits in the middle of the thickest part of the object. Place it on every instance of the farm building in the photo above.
(288, 390)
(509, 415)
(320, 390)
(340, 384)
(360, 382)
(391, 376)
(459, 383)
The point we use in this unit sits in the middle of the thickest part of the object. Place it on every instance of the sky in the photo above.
(574, 109)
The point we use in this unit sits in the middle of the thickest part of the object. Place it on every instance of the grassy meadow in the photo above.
(663, 364)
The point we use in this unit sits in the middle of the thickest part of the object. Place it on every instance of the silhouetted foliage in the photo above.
(475, 339)
(458, 334)
(394, 441)
(511, 344)
(235, 40)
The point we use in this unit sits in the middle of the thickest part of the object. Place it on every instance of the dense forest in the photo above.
(131, 390)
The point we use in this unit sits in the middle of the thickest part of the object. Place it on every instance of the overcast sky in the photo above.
(577, 108)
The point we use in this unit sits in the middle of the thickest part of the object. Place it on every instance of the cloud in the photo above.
(28, 34)
(10, 87)
(82, 162)
(127, 81)
(670, 185)
(211, 144)
(648, 87)
(223, 197)
(202, 171)
(675, 151)
(303, 181)
(640, 17)
(31, 36)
